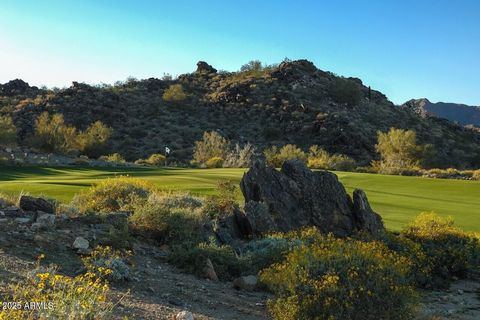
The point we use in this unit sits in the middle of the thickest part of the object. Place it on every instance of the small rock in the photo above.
(184, 315)
(248, 283)
(28, 203)
(209, 271)
(81, 244)
(22, 220)
(12, 212)
(37, 226)
(46, 219)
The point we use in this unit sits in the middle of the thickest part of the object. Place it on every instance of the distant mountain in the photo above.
(293, 102)
(460, 113)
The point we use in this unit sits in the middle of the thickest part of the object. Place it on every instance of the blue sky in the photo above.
(406, 49)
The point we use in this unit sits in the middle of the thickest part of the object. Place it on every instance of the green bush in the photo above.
(92, 141)
(167, 225)
(192, 259)
(155, 159)
(8, 132)
(212, 145)
(53, 135)
(113, 158)
(174, 93)
(276, 157)
(340, 279)
(223, 202)
(113, 194)
(320, 159)
(215, 162)
(450, 251)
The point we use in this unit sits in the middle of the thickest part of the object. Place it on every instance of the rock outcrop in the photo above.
(295, 197)
(29, 203)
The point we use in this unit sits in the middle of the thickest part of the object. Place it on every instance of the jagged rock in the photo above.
(203, 67)
(248, 283)
(81, 244)
(209, 271)
(29, 203)
(184, 315)
(296, 197)
(12, 212)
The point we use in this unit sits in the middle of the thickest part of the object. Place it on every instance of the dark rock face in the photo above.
(203, 67)
(28, 203)
(14, 87)
(296, 197)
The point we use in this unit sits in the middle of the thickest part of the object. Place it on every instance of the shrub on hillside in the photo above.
(240, 157)
(451, 252)
(8, 132)
(223, 202)
(340, 279)
(276, 157)
(113, 158)
(53, 135)
(214, 162)
(211, 145)
(113, 194)
(108, 263)
(155, 159)
(318, 158)
(174, 93)
(167, 225)
(92, 141)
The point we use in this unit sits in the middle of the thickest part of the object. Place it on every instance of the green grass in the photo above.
(398, 199)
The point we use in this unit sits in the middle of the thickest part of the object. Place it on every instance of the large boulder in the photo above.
(295, 197)
(203, 67)
(29, 203)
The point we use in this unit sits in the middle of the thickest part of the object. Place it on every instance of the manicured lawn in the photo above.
(396, 198)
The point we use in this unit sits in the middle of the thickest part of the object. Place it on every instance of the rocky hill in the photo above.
(460, 113)
(293, 102)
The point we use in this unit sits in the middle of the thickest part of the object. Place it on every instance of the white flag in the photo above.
(167, 150)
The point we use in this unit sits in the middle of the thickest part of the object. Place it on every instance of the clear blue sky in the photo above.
(406, 49)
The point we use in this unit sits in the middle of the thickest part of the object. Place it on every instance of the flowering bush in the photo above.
(340, 279)
(81, 297)
(108, 263)
(449, 250)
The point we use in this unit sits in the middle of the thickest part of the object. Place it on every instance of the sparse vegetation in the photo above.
(8, 131)
(276, 157)
(318, 158)
(174, 94)
(212, 145)
(116, 158)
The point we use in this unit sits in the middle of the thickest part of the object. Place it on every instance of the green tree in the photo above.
(276, 157)
(398, 149)
(174, 93)
(93, 140)
(8, 131)
(53, 135)
(211, 145)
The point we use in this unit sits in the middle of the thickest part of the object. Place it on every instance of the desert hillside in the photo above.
(293, 102)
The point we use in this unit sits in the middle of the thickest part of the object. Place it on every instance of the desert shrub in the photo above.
(215, 162)
(53, 135)
(174, 93)
(155, 159)
(223, 202)
(211, 145)
(451, 252)
(240, 157)
(167, 225)
(108, 263)
(176, 200)
(398, 150)
(476, 175)
(8, 131)
(261, 253)
(116, 158)
(113, 194)
(82, 297)
(92, 141)
(345, 91)
(276, 157)
(192, 259)
(318, 158)
(340, 279)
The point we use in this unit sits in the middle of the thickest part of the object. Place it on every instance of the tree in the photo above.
(398, 149)
(93, 140)
(53, 135)
(174, 93)
(8, 131)
(275, 157)
(211, 145)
